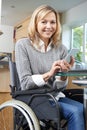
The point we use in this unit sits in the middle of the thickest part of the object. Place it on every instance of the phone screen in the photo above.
(72, 52)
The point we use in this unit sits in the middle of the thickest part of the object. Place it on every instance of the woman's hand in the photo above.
(65, 66)
(54, 69)
(72, 61)
(60, 65)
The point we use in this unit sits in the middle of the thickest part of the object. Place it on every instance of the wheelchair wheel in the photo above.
(21, 116)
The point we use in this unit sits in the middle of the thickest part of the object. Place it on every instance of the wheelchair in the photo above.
(31, 109)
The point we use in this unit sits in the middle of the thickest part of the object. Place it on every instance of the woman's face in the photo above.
(46, 27)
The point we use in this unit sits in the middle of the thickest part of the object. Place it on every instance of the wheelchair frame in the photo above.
(26, 110)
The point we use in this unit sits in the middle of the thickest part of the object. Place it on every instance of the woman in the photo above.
(40, 56)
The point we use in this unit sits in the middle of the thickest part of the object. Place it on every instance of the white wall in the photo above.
(75, 15)
(70, 18)
(0, 10)
(66, 34)
(6, 39)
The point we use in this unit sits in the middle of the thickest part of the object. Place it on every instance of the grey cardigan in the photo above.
(30, 61)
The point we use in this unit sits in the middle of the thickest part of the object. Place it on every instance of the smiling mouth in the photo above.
(48, 32)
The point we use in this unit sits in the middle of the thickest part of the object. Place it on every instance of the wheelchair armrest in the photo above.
(30, 92)
(37, 90)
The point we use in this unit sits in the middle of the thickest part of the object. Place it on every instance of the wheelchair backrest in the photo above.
(14, 79)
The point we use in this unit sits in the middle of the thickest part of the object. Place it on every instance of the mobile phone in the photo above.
(73, 53)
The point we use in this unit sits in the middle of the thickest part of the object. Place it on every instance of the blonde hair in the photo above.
(38, 14)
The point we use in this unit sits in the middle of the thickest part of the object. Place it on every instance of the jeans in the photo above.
(73, 112)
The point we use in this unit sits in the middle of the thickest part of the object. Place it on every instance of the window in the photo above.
(79, 40)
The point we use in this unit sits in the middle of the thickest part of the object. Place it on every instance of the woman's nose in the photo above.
(48, 25)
